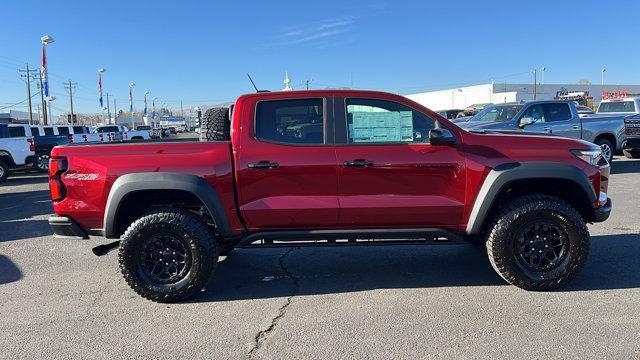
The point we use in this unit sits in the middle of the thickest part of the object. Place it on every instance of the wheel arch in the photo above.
(569, 183)
(609, 137)
(159, 184)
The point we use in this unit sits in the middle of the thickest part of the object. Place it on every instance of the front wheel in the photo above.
(168, 255)
(538, 242)
(4, 171)
(607, 148)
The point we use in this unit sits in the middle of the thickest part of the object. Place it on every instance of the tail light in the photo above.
(56, 168)
(70, 138)
(32, 145)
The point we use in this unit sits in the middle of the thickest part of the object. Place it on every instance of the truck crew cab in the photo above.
(333, 167)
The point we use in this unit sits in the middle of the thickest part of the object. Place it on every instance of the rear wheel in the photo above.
(4, 171)
(538, 242)
(629, 154)
(42, 163)
(168, 255)
(214, 125)
(607, 148)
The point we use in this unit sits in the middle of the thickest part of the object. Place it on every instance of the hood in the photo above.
(486, 125)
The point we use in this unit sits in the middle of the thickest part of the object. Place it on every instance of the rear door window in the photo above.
(294, 121)
(48, 131)
(556, 112)
(35, 131)
(17, 131)
(78, 129)
(63, 130)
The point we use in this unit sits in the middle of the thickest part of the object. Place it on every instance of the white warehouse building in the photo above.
(459, 98)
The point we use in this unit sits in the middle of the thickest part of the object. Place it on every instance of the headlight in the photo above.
(589, 156)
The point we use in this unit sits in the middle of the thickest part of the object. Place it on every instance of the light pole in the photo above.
(602, 77)
(131, 85)
(50, 99)
(153, 112)
(100, 72)
(145, 108)
(45, 40)
(544, 68)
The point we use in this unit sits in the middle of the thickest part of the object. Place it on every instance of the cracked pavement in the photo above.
(58, 300)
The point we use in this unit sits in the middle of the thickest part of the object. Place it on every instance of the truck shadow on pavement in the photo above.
(17, 211)
(9, 272)
(268, 273)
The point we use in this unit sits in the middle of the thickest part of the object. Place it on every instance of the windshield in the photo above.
(497, 113)
(617, 106)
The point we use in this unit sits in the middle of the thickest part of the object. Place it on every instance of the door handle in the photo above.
(576, 127)
(264, 164)
(546, 128)
(358, 163)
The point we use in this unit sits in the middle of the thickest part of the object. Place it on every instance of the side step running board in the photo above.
(350, 237)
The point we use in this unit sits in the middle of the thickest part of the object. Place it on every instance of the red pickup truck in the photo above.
(331, 167)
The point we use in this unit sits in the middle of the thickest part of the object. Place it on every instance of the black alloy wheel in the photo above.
(541, 245)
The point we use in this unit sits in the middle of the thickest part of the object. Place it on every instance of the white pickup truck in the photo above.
(123, 133)
(16, 148)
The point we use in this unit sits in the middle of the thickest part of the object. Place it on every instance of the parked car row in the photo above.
(23, 145)
(605, 128)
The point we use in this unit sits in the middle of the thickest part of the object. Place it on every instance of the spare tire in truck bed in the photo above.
(214, 125)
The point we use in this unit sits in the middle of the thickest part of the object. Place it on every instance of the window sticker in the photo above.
(378, 127)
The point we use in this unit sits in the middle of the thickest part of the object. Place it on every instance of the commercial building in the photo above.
(17, 117)
(459, 98)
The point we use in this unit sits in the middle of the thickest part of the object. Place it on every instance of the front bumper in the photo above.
(602, 213)
(66, 227)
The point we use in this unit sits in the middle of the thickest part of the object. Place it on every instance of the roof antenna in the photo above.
(252, 83)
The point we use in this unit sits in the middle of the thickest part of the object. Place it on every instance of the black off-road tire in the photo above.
(197, 237)
(4, 171)
(214, 125)
(604, 145)
(521, 212)
(631, 154)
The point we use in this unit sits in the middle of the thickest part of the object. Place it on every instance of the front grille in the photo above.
(632, 127)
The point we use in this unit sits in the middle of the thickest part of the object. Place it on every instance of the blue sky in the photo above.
(200, 51)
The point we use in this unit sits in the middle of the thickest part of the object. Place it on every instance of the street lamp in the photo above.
(50, 99)
(603, 71)
(45, 40)
(153, 105)
(544, 68)
(144, 114)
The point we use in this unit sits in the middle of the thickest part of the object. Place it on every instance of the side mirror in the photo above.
(441, 136)
(524, 121)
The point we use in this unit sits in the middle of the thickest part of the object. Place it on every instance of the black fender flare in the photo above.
(131, 183)
(504, 174)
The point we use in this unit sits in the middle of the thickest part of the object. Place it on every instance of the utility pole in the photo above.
(535, 80)
(108, 109)
(115, 112)
(306, 83)
(38, 76)
(70, 86)
(27, 75)
(181, 109)
(38, 107)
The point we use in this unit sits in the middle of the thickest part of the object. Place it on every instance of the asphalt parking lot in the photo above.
(58, 300)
